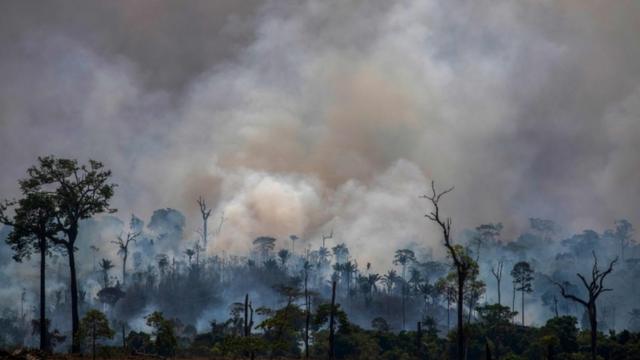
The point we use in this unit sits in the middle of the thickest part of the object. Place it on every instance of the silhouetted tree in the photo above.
(105, 266)
(94, 325)
(594, 287)
(462, 264)
(402, 258)
(32, 224)
(497, 273)
(123, 246)
(79, 192)
(205, 212)
(522, 275)
(284, 255)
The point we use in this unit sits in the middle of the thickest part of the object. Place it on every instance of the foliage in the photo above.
(165, 343)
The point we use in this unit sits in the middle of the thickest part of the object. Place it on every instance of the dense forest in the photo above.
(110, 285)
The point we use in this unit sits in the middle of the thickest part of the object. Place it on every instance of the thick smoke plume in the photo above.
(302, 117)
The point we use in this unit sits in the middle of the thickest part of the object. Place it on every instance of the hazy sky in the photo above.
(301, 116)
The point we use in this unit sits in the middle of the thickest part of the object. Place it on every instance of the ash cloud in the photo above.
(302, 117)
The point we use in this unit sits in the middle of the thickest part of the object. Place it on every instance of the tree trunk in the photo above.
(43, 316)
(75, 320)
(522, 298)
(331, 320)
(246, 315)
(204, 233)
(499, 302)
(460, 304)
(593, 322)
(124, 267)
(513, 302)
(404, 291)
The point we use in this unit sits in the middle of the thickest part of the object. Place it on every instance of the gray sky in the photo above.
(300, 116)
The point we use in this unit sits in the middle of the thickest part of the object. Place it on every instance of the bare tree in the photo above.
(497, 273)
(123, 247)
(463, 264)
(594, 287)
(205, 212)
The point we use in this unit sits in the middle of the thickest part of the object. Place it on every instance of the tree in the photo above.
(284, 255)
(402, 258)
(123, 245)
(486, 233)
(522, 275)
(163, 263)
(595, 287)
(163, 330)
(264, 245)
(341, 252)
(190, 253)
(497, 273)
(79, 192)
(462, 264)
(95, 325)
(293, 239)
(105, 266)
(205, 212)
(32, 224)
(624, 233)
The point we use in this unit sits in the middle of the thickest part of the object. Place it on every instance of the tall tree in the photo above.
(402, 258)
(79, 192)
(497, 273)
(462, 264)
(522, 275)
(32, 224)
(293, 239)
(205, 212)
(123, 241)
(595, 287)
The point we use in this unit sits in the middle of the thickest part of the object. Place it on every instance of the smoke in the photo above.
(299, 118)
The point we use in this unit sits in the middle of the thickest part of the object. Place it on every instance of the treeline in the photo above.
(484, 298)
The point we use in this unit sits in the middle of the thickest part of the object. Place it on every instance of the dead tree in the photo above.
(497, 273)
(123, 247)
(462, 263)
(594, 287)
(205, 212)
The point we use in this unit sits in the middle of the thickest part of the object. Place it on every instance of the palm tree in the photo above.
(190, 253)
(105, 266)
(389, 279)
(293, 239)
(404, 257)
(284, 255)
(341, 252)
